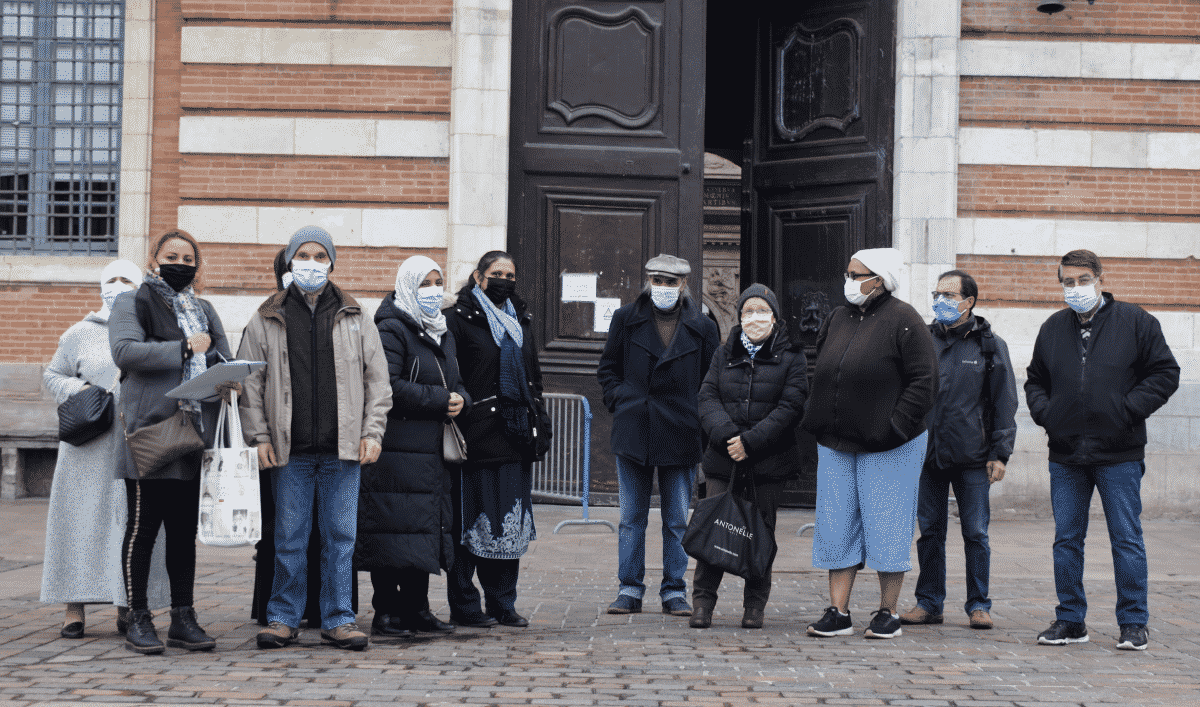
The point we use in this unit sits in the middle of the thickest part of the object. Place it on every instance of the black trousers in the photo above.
(708, 578)
(497, 577)
(400, 592)
(155, 503)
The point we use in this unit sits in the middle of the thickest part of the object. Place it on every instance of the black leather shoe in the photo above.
(425, 622)
(389, 626)
(512, 618)
(122, 619)
(474, 620)
(186, 633)
(141, 636)
(72, 630)
(752, 618)
(701, 615)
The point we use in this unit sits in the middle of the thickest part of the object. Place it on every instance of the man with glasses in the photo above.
(972, 428)
(1099, 369)
(658, 352)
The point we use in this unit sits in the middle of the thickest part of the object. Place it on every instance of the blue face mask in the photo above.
(946, 311)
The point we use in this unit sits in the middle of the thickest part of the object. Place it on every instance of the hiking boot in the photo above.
(676, 606)
(186, 633)
(833, 623)
(625, 604)
(1134, 637)
(141, 637)
(980, 619)
(884, 624)
(702, 615)
(347, 636)
(920, 615)
(1061, 633)
(752, 618)
(276, 635)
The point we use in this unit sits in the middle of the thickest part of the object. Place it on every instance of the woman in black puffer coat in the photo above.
(750, 402)
(404, 507)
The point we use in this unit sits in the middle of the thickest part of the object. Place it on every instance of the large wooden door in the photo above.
(606, 168)
(817, 170)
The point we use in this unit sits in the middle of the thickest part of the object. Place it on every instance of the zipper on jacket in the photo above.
(749, 390)
(312, 335)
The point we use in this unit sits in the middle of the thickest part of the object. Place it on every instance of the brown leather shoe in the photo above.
(981, 619)
(919, 615)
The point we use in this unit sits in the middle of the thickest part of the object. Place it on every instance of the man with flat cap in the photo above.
(658, 352)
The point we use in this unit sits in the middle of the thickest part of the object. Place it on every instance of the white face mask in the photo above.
(1081, 298)
(430, 299)
(663, 296)
(757, 326)
(309, 275)
(853, 291)
(110, 290)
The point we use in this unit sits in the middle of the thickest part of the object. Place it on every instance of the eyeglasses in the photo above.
(948, 295)
(755, 310)
(860, 276)
(1081, 282)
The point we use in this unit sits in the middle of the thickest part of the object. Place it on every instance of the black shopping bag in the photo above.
(728, 532)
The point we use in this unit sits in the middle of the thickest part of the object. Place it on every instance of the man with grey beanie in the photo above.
(316, 413)
(658, 352)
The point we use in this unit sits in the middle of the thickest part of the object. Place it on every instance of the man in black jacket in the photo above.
(1099, 369)
(658, 352)
(972, 428)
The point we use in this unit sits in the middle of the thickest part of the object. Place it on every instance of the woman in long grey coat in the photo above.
(85, 521)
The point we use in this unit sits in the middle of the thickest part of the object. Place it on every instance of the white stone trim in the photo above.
(352, 137)
(1052, 147)
(1109, 239)
(53, 269)
(1089, 60)
(300, 45)
(137, 132)
(408, 228)
(479, 109)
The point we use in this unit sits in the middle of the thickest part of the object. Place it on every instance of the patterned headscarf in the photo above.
(192, 320)
(408, 281)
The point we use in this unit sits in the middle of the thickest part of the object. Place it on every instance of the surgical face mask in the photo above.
(1081, 298)
(430, 299)
(757, 325)
(110, 290)
(309, 275)
(664, 296)
(946, 310)
(853, 291)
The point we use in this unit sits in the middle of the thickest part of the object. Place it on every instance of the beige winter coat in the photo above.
(364, 391)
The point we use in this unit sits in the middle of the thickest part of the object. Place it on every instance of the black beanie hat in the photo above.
(759, 290)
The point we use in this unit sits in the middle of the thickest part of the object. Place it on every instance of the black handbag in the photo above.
(85, 415)
(729, 532)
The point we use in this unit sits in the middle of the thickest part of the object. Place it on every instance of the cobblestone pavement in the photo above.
(575, 654)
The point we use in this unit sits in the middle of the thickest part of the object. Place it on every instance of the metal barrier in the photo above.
(565, 473)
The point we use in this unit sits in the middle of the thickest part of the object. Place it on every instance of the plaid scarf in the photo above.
(192, 320)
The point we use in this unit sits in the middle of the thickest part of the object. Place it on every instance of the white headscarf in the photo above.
(118, 268)
(408, 280)
(887, 263)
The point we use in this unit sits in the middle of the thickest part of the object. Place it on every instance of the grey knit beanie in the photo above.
(311, 234)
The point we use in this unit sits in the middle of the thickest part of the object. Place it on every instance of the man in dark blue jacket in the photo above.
(658, 352)
(972, 428)
(1099, 369)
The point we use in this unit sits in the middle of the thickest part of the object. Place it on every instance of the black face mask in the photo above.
(177, 275)
(499, 289)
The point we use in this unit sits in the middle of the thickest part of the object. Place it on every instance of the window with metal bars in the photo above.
(60, 126)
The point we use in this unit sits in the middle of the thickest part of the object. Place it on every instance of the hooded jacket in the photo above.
(759, 398)
(1094, 402)
(958, 424)
(651, 390)
(364, 394)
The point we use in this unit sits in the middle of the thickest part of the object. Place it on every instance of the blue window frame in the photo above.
(60, 126)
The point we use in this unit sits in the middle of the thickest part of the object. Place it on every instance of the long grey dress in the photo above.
(85, 523)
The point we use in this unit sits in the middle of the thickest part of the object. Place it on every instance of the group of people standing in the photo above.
(347, 419)
(902, 411)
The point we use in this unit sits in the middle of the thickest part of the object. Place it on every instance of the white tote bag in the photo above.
(230, 511)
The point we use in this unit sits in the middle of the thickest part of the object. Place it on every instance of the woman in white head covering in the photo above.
(85, 522)
(874, 382)
(404, 507)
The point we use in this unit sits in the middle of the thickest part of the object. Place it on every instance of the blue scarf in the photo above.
(500, 321)
(516, 403)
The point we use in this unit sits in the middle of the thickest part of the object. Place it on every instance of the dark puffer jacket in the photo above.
(404, 505)
(760, 399)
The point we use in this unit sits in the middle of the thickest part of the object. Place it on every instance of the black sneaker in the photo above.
(1061, 633)
(884, 624)
(1134, 637)
(141, 637)
(833, 623)
(186, 633)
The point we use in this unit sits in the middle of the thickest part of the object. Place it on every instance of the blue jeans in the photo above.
(1120, 487)
(675, 494)
(335, 483)
(971, 488)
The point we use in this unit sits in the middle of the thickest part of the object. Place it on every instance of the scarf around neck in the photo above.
(500, 321)
(192, 320)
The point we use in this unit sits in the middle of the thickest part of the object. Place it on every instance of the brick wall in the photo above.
(164, 155)
(1018, 102)
(384, 89)
(411, 11)
(36, 315)
(345, 179)
(1168, 19)
(1032, 281)
(242, 269)
(1070, 191)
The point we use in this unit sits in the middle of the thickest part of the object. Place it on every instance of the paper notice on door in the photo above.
(578, 287)
(606, 307)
